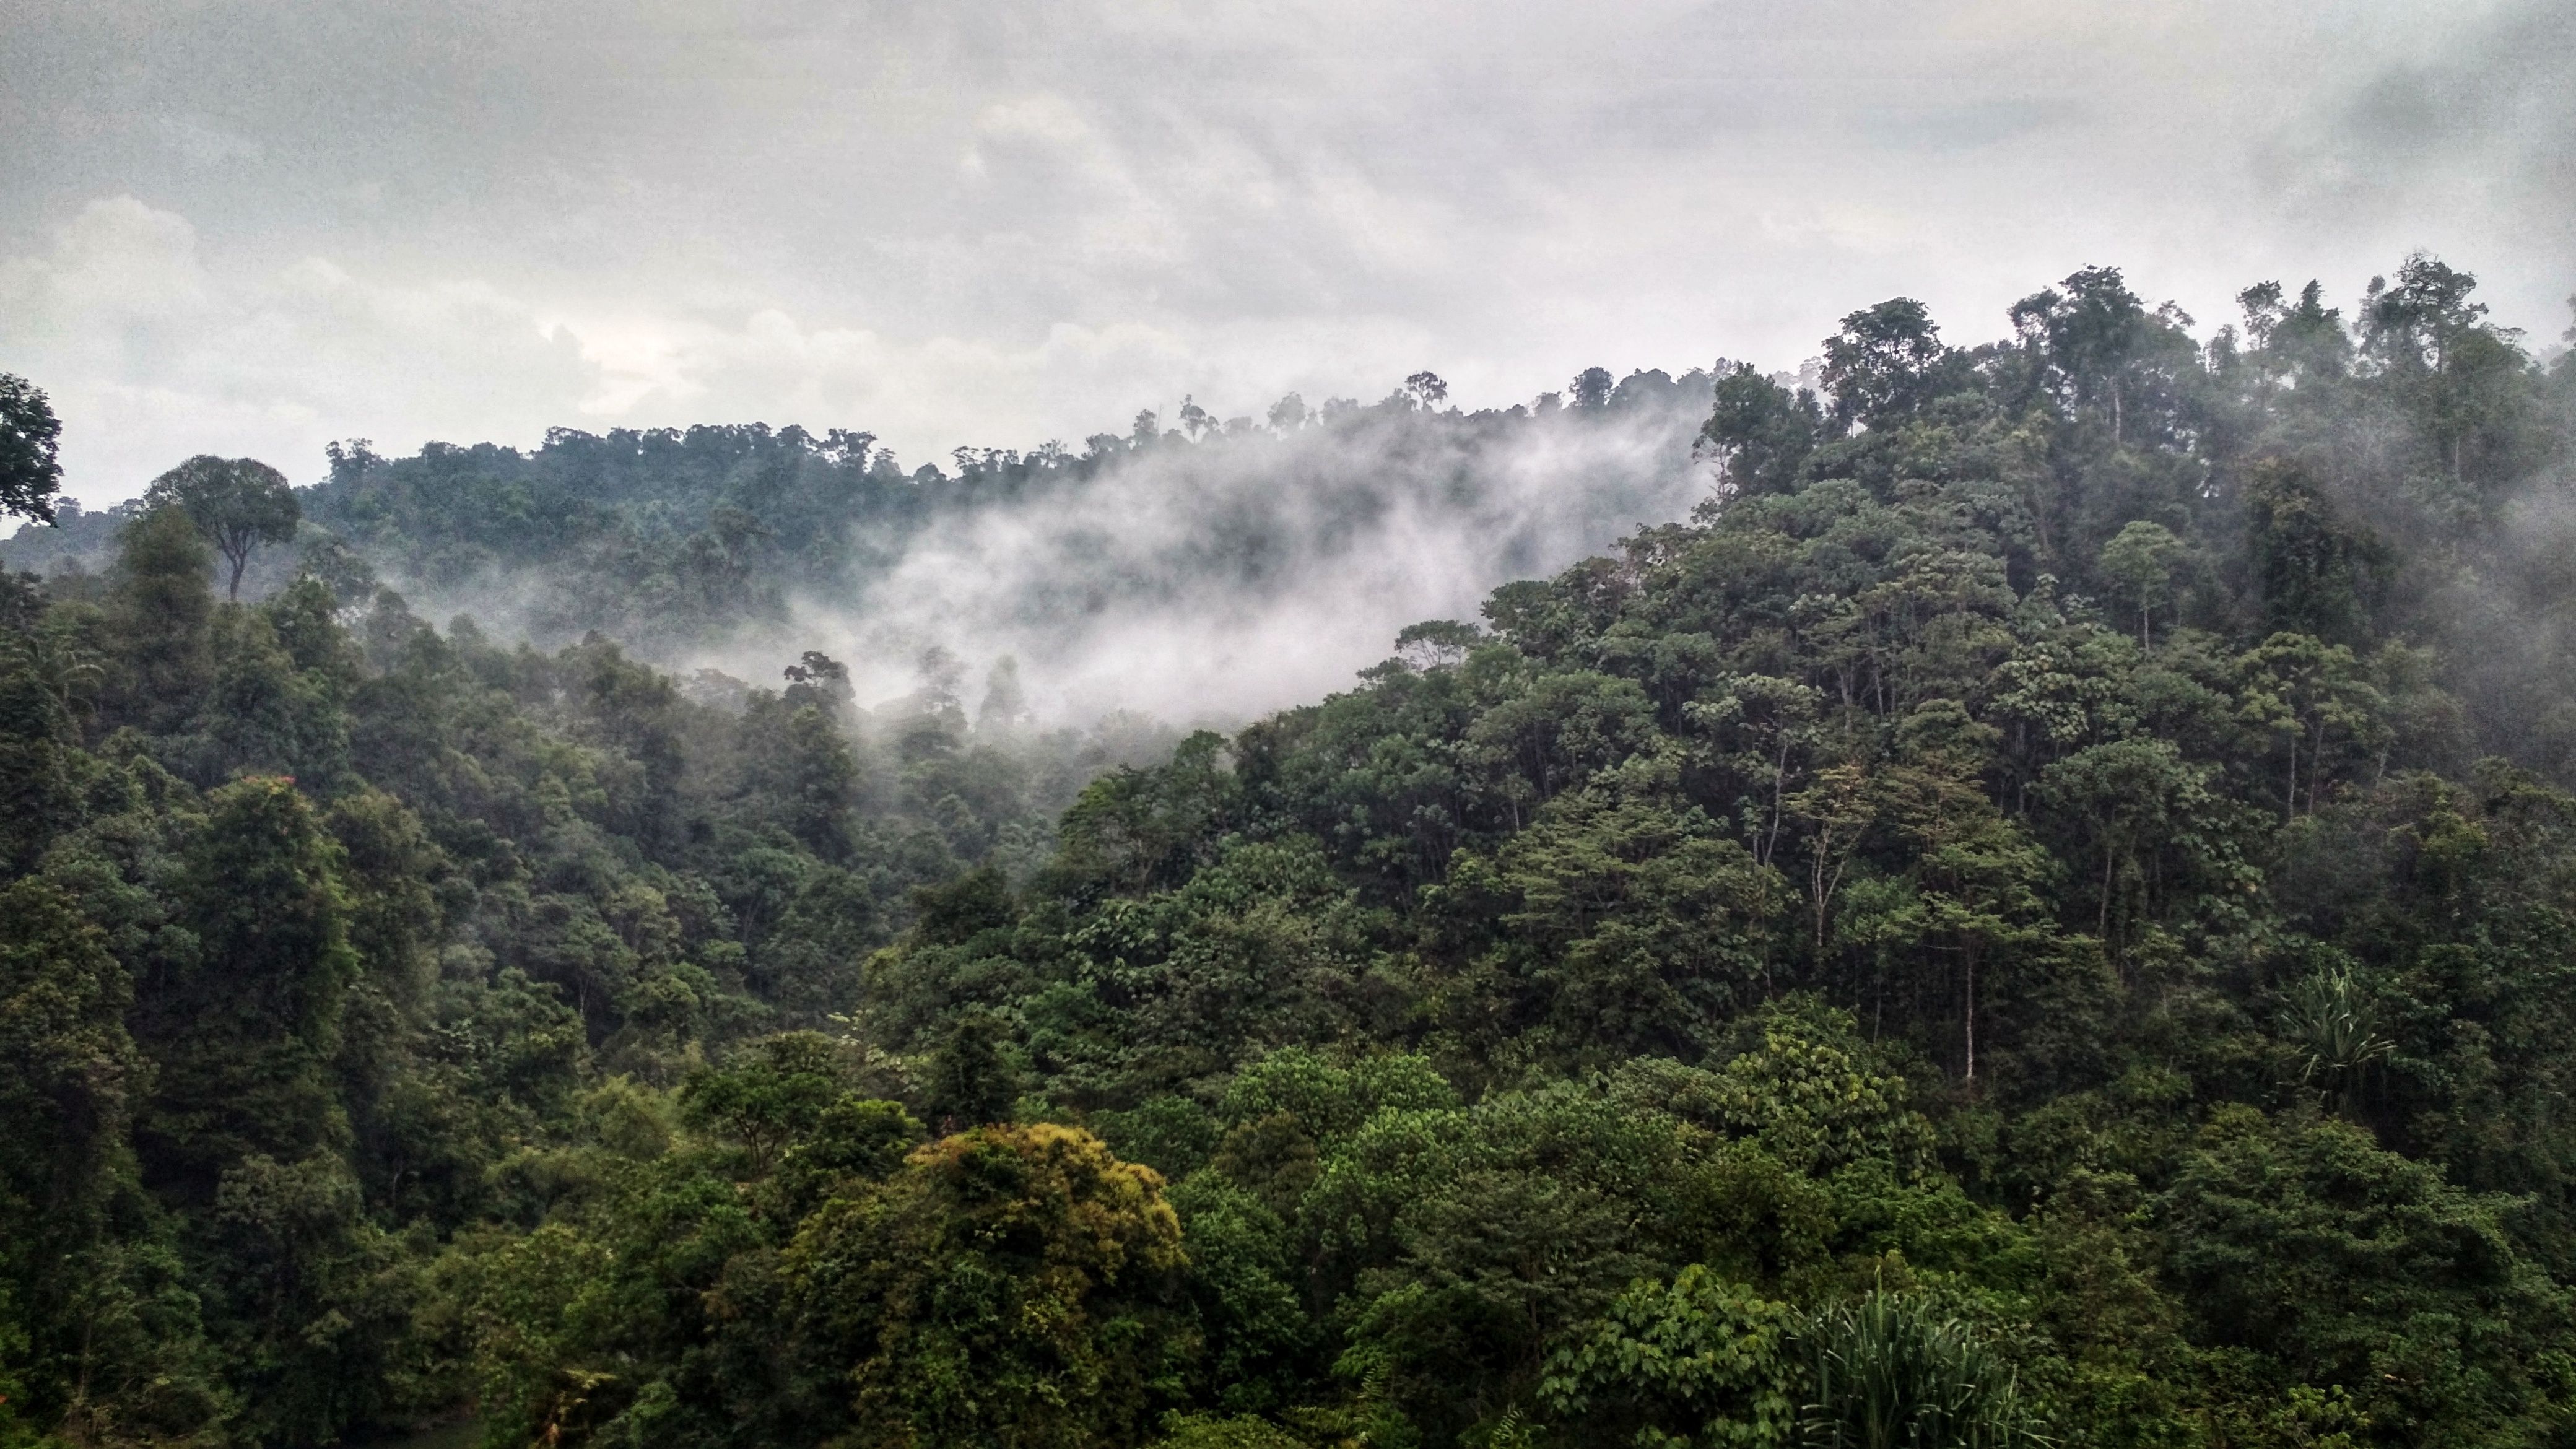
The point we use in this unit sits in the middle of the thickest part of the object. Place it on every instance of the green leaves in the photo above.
(1696, 1362)
(777, 1091)
(2333, 1023)
(2347, 1264)
(1629, 926)
(30, 442)
(238, 503)
(246, 1033)
(2142, 560)
(1014, 1284)
(1888, 1374)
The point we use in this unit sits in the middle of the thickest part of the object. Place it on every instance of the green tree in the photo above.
(772, 1095)
(971, 1082)
(1882, 363)
(2348, 1266)
(313, 1313)
(1976, 872)
(42, 682)
(854, 1137)
(2144, 807)
(2316, 699)
(2141, 559)
(1012, 1285)
(1801, 1081)
(246, 1026)
(30, 439)
(1698, 1362)
(70, 1077)
(159, 621)
(2316, 573)
(1245, 1282)
(239, 504)
(1760, 432)
(69, 1073)
(1633, 927)
(2095, 334)
(799, 769)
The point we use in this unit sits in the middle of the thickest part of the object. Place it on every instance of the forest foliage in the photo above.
(2045, 913)
(733, 542)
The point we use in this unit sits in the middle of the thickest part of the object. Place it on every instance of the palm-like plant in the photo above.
(1889, 1375)
(68, 673)
(2336, 1026)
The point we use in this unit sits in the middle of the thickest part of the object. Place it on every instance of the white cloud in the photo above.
(996, 223)
(151, 355)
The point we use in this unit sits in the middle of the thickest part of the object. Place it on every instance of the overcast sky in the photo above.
(250, 228)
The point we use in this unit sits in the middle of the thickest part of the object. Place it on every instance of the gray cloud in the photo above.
(253, 225)
(2488, 127)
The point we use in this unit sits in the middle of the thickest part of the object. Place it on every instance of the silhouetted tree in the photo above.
(30, 471)
(239, 504)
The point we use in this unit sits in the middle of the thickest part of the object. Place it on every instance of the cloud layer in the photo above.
(254, 225)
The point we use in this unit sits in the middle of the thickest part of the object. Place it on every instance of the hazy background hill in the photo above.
(1211, 568)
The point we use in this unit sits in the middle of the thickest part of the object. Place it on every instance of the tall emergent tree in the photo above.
(239, 503)
(30, 474)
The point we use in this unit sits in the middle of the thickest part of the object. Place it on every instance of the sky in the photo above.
(250, 227)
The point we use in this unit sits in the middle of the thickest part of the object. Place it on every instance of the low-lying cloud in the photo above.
(1220, 580)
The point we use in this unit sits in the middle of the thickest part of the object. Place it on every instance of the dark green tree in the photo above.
(31, 471)
(246, 1024)
(776, 1093)
(971, 1081)
(159, 618)
(1012, 1285)
(239, 504)
(1883, 362)
(1697, 1361)
(2317, 572)
(1759, 431)
(2349, 1267)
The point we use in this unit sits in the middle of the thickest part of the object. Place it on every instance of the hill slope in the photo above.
(2043, 912)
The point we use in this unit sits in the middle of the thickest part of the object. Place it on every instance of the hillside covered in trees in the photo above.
(1265, 558)
(2046, 912)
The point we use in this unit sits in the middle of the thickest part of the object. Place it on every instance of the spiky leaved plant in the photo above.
(1890, 1375)
(2335, 1025)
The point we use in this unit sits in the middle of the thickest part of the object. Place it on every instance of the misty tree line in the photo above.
(667, 539)
(2042, 914)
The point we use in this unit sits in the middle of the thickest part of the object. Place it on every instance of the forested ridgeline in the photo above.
(2043, 914)
(681, 544)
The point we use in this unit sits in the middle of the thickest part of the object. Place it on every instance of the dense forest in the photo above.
(2044, 913)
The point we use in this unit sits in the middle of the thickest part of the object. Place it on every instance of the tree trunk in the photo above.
(2290, 812)
(1779, 782)
(2316, 761)
(1816, 888)
(1971, 1015)
(2109, 859)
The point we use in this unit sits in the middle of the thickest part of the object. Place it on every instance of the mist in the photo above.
(1201, 574)
(1216, 581)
